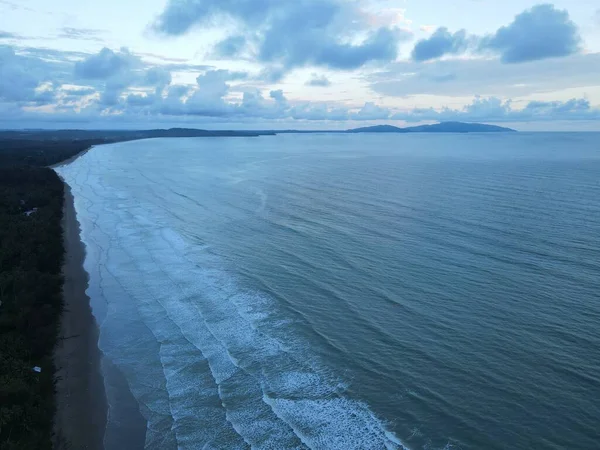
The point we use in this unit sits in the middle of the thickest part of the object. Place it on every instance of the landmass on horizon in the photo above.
(120, 135)
(442, 127)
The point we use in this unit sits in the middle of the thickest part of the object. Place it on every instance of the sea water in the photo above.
(334, 291)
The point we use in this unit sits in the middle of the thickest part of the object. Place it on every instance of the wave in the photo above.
(212, 365)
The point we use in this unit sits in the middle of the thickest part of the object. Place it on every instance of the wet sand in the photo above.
(81, 411)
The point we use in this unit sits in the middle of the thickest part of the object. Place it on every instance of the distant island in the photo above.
(442, 127)
(14, 139)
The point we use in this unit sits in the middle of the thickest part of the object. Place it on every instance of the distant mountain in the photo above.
(442, 127)
(379, 129)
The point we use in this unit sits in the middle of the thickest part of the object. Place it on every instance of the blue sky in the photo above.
(308, 64)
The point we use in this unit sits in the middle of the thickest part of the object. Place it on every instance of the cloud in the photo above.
(231, 46)
(117, 83)
(16, 82)
(467, 77)
(278, 97)
(493, 109)
(81, 34)
(317, 112)
(140, 100)
(537, 33)
(208, 99)
(180, 107)
(7, 35)
(78, 90)
(26, 79)
(158, 77)
(113, 73)
(303, 38)
(114, 70)
(105, 64)
(272, 74)
(289, 34)
(370, 111)
(318, 80)
(440, 43)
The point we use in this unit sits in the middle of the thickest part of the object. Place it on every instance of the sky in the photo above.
(304, 64)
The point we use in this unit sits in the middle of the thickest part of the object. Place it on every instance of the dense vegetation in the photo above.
(31, 257)
(37, 153)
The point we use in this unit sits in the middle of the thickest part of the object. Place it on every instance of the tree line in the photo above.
(31, 257)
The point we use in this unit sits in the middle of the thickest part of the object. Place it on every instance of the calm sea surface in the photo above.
(348, 291)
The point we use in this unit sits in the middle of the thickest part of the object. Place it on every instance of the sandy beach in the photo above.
(83, 373)
(81, 402)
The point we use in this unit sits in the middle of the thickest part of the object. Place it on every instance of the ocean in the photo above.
(331, 291)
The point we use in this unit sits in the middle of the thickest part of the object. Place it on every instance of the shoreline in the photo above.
(69, 161)
(90, 389)
(81, 404)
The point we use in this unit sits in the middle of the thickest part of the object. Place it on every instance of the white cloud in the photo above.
(39, 84)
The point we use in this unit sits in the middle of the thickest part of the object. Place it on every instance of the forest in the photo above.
(31, 257)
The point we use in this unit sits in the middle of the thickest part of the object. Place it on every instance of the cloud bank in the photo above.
(535, 34)
(288, 34)
(278, 42)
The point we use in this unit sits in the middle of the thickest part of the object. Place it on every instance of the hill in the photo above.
(442, 127)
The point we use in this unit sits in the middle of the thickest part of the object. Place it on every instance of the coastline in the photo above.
(90, 389)
(69, 161)
(81, 405)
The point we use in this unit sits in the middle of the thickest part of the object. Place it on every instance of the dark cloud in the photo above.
(318, 80)
(16, 82)
(272, 74)
(231, 46)
(288, 34)
(440, 43)
(278, 96)
(304, 35)
(180, 16)
(105, 64)
(379, 46)
(114, 72)
(139, 100)
(158, 77)
(572, 106)
(22, 76)
(537, 33)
